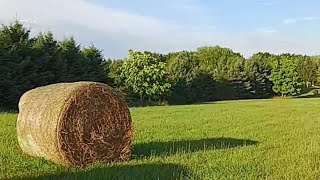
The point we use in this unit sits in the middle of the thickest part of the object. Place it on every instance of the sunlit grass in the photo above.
(254, 139)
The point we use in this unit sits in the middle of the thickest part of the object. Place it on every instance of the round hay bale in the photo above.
(75, 124)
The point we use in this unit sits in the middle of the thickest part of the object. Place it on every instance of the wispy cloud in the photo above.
(267, 2)
(267, 30)
(117, 30)
(27, 21)
(300, 19)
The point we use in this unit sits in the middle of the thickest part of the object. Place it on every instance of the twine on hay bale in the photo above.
(75, 124)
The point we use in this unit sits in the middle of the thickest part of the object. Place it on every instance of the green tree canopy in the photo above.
(284, 76)
(146, 75)
(222, 63)
(93, 63)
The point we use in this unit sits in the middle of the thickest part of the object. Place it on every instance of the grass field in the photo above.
(258, 139)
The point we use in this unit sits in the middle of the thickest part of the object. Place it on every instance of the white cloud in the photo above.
(84, 13)
(290, 21)
(300, 19)
(267, 2)
(250, 43)
(267, 30)
(115, 30)
(27, 21)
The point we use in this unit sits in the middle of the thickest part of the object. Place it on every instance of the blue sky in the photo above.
(246, 26)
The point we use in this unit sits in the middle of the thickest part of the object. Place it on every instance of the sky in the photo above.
(114, 26)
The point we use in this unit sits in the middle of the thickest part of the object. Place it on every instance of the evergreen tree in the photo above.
(73, 66)
(93, 59)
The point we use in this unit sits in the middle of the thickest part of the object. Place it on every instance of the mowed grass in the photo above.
(254, 139)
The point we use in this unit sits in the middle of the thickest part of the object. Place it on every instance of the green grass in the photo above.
(259, 139)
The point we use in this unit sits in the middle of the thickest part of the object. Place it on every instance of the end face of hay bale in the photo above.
(101, 127)
(79, 124)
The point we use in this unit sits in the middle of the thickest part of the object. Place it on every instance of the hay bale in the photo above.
(75, 124)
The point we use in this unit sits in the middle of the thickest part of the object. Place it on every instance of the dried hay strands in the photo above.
(75, 124)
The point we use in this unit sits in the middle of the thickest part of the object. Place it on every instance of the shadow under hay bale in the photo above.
(75, 124)
(188, 146)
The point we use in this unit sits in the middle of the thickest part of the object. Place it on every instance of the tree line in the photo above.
(206, 74)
